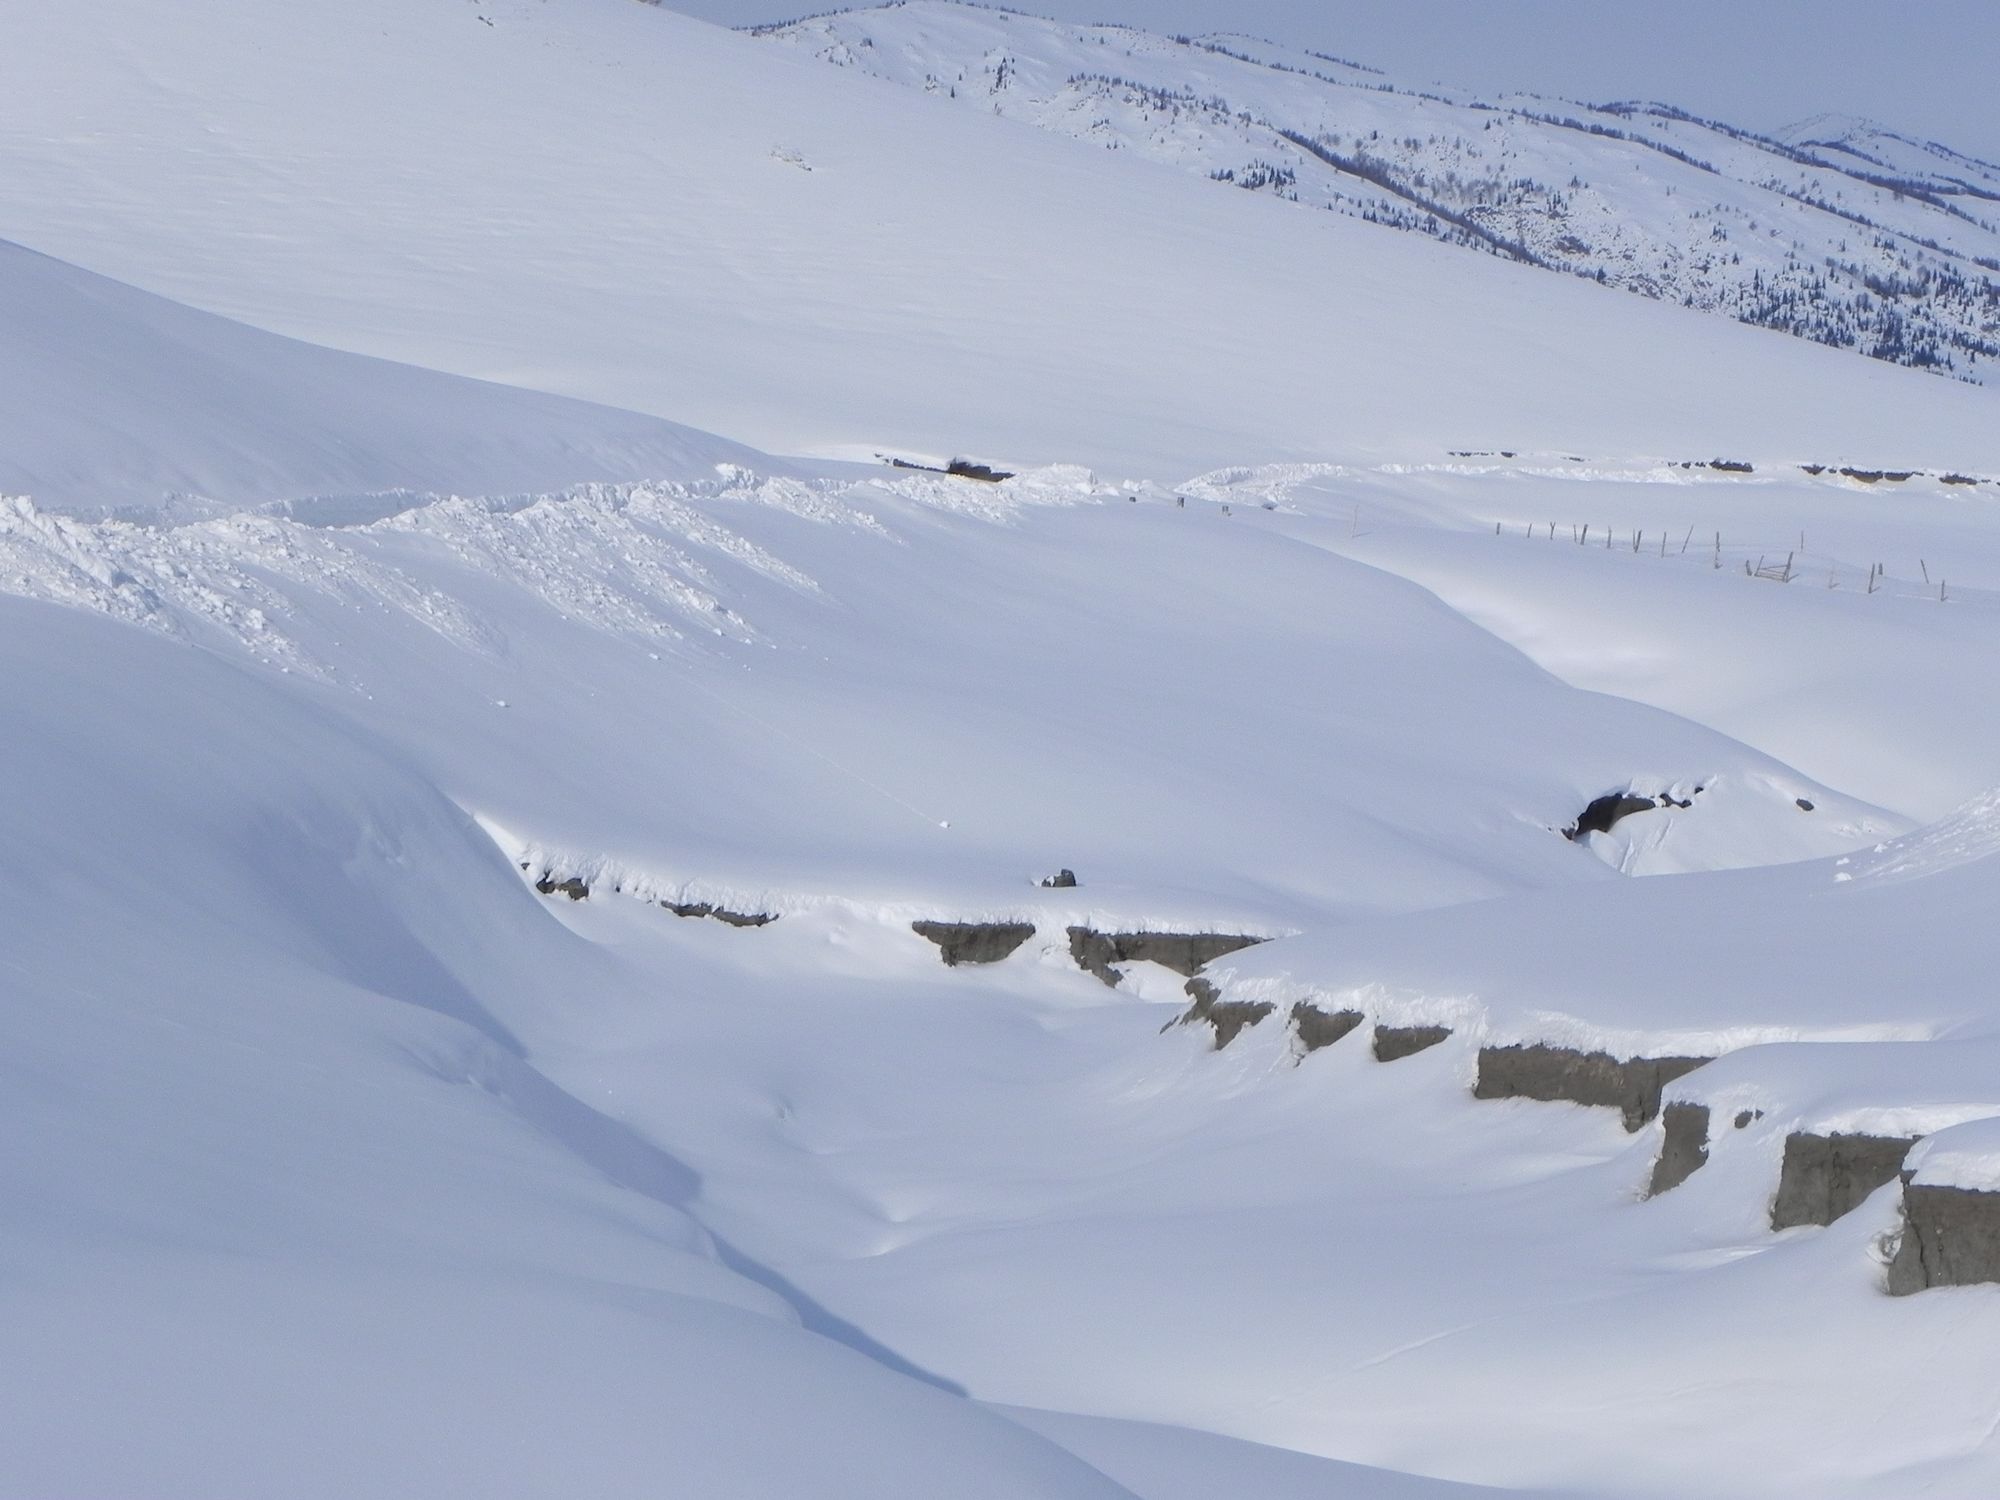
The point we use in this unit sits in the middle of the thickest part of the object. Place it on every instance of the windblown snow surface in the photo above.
(376, 1124)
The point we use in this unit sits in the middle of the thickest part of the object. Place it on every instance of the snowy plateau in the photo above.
(733, 772)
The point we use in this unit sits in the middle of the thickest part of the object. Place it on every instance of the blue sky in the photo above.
(1927, 67)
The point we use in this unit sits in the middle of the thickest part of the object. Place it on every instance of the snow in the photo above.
(875, 303)
(1045, 699)
(1962, 1156)
(1837, 229)
(967, 1174)
(120, 400)
(347, 1162)
(289, 1163)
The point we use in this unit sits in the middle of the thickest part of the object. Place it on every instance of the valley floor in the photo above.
(453, 1181)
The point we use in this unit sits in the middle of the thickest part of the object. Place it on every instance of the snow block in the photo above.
(1186, 953)
(720, 914)
(1393, 1042)
(1826, 1176)
(1684, 1150)
(1553, 1074)
(1318, 1028)
(1951, 1237)
(1228, 1017)
(975, 942)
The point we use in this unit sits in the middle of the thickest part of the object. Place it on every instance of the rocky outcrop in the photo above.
(1393, 1042)
(958, 468)
(975, 942)
(1185, 953)
(721, 913)
(1062, 880)
(1228, 1017)
(1683, 1150)
(1951, 1237)
(1534, 1071)
(1826, 1176)
(577, 889)
(1604, 811)
(1318, 1028)
(1614, 807)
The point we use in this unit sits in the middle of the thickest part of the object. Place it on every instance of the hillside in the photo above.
(795, 257)
(1398, 907)
(1838, 230)
(116, 399)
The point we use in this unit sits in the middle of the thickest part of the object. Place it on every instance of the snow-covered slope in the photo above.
(112, 398)
(468, 1026)
(290, 1213)
(1065, 667)
(1838, 230)
(614, 202)
(850, 705)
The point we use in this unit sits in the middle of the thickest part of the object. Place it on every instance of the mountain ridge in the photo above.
(1891, 252)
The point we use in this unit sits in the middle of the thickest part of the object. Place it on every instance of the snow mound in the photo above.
(117, 400)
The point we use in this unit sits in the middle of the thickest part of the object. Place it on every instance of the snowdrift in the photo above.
(117, 400)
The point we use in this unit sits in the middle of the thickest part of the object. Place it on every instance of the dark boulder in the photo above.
(1186, 953)
(1229, 1018)
(1318, 1028)
(1393, 1042)
(1604, 811)
(720, 914)
(1684, 1150)
(1827, 1176)
(975, 942)
(1632, 1087)
(1951, 1237)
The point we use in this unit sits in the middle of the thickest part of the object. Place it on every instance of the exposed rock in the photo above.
(1804, 804)
(573, 888)
(1826, 1176)
(1393, 1042)
(975, 942)
(965, 468)
(1745, 1116)
(1560, 1073)
(1731, 466)
(1319, 1028)
(1951, 1237)
(1607, 810)
(1957, 479)
(958, 468)
(1062, 880)
(721, 914)
(1684, 1150)
(1228, 1017)
(1185, 953)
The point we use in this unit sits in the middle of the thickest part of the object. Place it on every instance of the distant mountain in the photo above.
(1837, 230)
